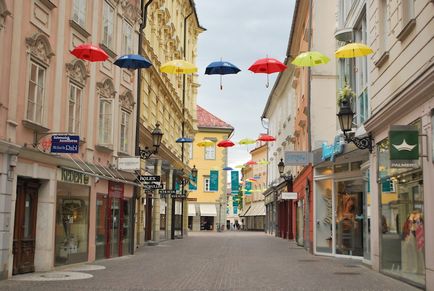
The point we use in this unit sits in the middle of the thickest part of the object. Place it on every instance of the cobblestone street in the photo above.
(219, 261)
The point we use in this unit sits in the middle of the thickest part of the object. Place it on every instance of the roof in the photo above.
(207, 120)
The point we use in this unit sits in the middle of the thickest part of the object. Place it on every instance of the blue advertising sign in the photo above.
(66, 144)
(248, 188)
(213, 180)
(330, 151)
(192, 185)
(235, 182)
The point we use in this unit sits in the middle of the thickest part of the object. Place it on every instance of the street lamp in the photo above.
(157, 135)
(194, 172)
(346, 116)
(288, 179)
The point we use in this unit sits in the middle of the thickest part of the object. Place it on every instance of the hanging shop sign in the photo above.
(329, 152)
(403, 146)
(166, 192)
(153, 186)
(65, 144)
(149, 179)
(70, 176)
(129, 163)
(192, 184)
(115, 189)
(248, 188)
(287, 196)
(297, 158)
(235, 182)
(213, 180)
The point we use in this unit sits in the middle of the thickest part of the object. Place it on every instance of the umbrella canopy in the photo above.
(267, 66)
(266, 137)
(178, 67)
(251, 163)
(251, 179)
(263, 162)
(353, 50)
(227, 169)
(221, 68)
(89, 52)
(205, 143)
(310, 59)
(225, 143)
(133, 62)
(240, 166)
(247, 141)
(184, 140)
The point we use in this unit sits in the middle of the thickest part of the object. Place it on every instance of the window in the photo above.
(74, 108)
(108, 23)
(79, 12)
(127, 38)
(361, 76)
(206, 183)
(125, 117)
(105, 121)
(35, 99)
(210, 153)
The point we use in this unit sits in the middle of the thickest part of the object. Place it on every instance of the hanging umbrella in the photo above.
(353, 50)
(184, 140)
(251, 163)
(240, 166)
(227, 169)
(266, 137)
(221, 68)
(267, 66)
(310, 59)
(251, 179)
(205, 143)
(178, 67)
(225, 143)
(133, 62)
(247, 141)
(89, 52)
(264, 162)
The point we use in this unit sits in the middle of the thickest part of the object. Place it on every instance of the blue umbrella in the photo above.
(221, 68)
(184, 140)
(132, 62)
(227, 169)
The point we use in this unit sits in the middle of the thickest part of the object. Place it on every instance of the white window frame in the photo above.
(210, 152)
(36, 99)
(206, 183)
(108, 24)
(79, 10)
(127, 38)
(102, 130)
(75, 98)
(124, 131)
(361, 76)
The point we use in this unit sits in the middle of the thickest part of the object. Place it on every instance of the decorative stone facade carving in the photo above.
(4, 12)
(77, 71)
(106, 88)
(126, 101)
(130, 11)
(39, 47)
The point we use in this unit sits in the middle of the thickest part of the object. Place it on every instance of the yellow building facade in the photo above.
(207, 206)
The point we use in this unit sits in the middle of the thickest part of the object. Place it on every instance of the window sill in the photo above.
(50, 5)
(34, 126)
(382, 59)
(108, 50)
(411, 24)
(106, 148)
(79, 28)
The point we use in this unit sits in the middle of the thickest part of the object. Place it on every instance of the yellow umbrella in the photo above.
(240, 166)
(263, 162)
(205, 143)
(353, 50)
(247, 141)
(178, 67)
(310, 59)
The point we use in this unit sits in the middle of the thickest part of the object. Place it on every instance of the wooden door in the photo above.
(25, 226)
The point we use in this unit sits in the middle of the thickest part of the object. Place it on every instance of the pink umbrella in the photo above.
(251, 163)
(225, 143)
(89, 52)
(267, 66)
(266, 137)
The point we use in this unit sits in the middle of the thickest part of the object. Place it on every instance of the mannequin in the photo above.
(413, 243)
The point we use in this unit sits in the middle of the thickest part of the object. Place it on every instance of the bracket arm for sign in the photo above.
(422, 155)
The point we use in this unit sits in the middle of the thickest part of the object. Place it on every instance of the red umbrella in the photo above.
(89, 52)
(266, 137)
(267, 66)
(225, 143)
(251, 163)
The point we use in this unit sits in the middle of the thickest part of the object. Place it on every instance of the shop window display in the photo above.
(402, 220)
(324, 218)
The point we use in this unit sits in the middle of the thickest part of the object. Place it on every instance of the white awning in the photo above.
(257, 209)
(208, 210)
(191, 210)
(244, 211)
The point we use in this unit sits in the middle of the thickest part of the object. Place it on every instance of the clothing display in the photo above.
(412, 246)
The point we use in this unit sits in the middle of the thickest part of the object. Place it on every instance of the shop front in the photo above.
(342, 205)
(270, 211)
(302, 207)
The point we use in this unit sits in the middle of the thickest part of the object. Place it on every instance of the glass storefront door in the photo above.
(101, 225)
(114, 227)
(324, 216)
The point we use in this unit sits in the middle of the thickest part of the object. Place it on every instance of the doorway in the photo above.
(24, 241)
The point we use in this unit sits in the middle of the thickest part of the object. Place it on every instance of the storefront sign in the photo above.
(115, 189)
(235, 182)
(331, 151)
(248, 188)
(288, 196)
(192, 184)
(149, 179)
(70, 176)
(67, 144)
(403, 146)
(213, 180)
(129, 163)
(167, 192)
(297, 158)
(153, 186)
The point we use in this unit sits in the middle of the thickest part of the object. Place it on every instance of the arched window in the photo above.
(106, 94)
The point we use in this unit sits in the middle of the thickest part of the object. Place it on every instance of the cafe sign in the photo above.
(71, 176)
(403, 146)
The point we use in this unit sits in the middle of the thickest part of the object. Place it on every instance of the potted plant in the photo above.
(345, 95)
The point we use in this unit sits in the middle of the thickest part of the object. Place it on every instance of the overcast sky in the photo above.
(240, 31)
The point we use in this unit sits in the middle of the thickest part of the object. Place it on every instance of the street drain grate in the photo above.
(307, 260)
(55, 276)
(346, 273)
